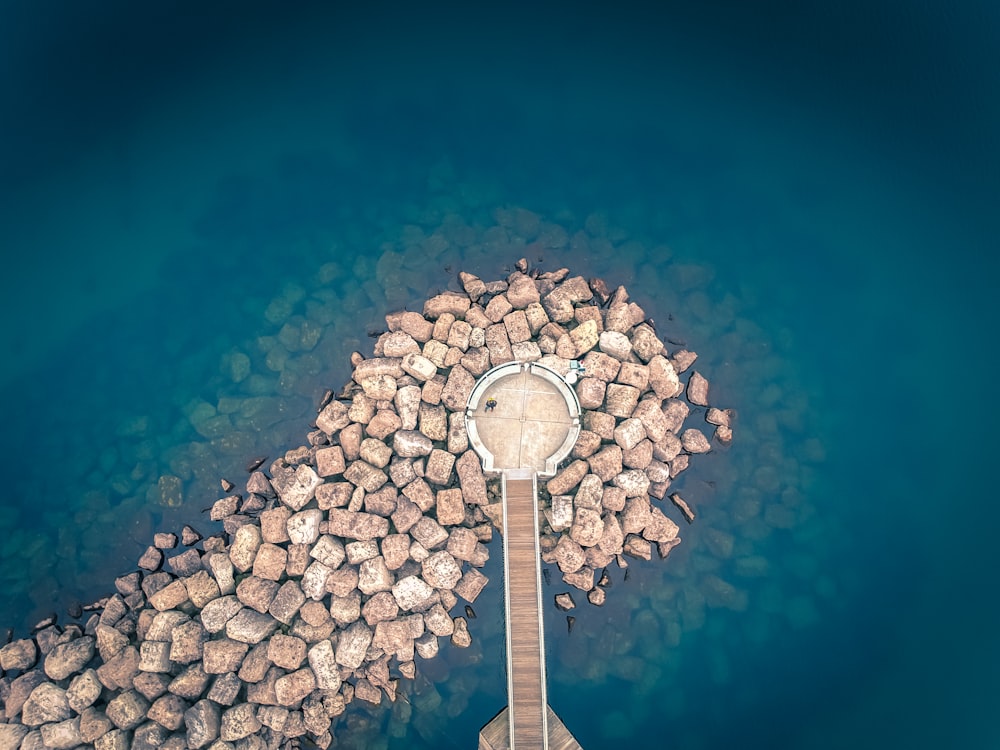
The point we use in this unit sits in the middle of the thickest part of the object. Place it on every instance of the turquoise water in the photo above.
(806, 191)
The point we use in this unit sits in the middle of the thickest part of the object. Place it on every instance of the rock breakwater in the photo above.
(343, 560)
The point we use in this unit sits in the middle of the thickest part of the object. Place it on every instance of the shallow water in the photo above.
(803, 201)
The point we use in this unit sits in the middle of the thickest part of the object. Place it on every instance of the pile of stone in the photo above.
(344, 559)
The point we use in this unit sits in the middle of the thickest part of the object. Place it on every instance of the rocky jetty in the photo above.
(342, 561)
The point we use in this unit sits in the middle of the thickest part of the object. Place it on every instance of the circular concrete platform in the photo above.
(535, 421)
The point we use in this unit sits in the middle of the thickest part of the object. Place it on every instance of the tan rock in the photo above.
(249, 626)
(358, 552)
(582, 579)
(675, 412)
(568, 478)
(638, 457)
(398, 344)
(186, 642)
(413, 594)
(439, 467)
(601, 366)
(561, 514)
(569, 555)
(314, 581)
(257, 593)
(413, 324)
(621, 400)
(522, 292)
(286, 651)
(45, 703)
(697, 389)
(323, 663)
(363, 474)
(218, 612)
(154, 656)
(461, 637)
(419, 367)
(471, 479)
(410, 443)
(612, 536)
(591, 391)
(588, 527)
(637, 515)
(458, 436)
(396, 550)
(667, 448)
(352, 646)
(471, 584)
(170, 596)
(83, 690)
(462, 543)
(333, 417)
(345, 609)
(615, 343)
(363, 405)
(223, 656)
(295, 486)
(126, 711)
(585, 337)
(391, 366)
(477, 359)
(497, 308)
(420, 494)
(629, 433)
(694, 441)
(588, 494)
(498, 345)
(382, 425)
(441, 570)
(645, 342)
(606, 463)
(446, 302)
(658, 472)
(587, 444)
(619, 318)
(636, 546)
(20, 654)
(118, 672)
(238, 722)
(328, 550)
(659, 528)
(634, 375)
(380, 608)
(683, 359)
(70, 657)
(374, 576)
(720, 417)
(663, 377)
(459, 334)
(287, 602)
(433, 421)
(600, 423)
(633, 481)
(350, 441)
(457, 388)
(375, 452)
(270, 561)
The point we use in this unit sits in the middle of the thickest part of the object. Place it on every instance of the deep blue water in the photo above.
(808, 189)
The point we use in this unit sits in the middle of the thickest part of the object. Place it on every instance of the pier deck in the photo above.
(530, 427)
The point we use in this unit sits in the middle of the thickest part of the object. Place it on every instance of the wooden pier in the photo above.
(531, 425)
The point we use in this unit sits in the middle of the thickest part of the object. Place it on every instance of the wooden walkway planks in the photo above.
(525, 635)
(527, 722)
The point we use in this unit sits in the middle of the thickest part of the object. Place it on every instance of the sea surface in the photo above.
(205, 208)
